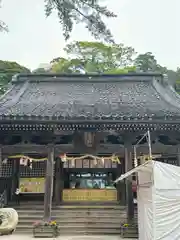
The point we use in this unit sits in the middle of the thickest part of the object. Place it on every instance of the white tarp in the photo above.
(158, 195)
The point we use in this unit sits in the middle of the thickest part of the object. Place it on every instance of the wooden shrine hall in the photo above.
(68, 137)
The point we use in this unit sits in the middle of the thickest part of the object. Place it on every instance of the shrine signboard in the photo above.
(90, 163)
(31, 185)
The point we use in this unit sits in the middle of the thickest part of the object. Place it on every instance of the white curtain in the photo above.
(145, 213)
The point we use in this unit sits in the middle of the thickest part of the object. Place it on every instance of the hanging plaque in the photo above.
(107, 164)
(100, 163)
(78, 163)
(65, 164)
(114, 165)
(86, 163)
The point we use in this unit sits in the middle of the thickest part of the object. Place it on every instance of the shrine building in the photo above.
(66, 138)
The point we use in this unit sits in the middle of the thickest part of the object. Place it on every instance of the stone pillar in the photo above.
(49, 184)
(129, 193)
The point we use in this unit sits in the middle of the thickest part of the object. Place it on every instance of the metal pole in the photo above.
(149, 145)
(135, 157)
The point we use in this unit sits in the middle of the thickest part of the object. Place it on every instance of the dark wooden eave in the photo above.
(93, 99)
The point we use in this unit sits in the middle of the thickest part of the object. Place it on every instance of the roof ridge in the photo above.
(49, 77)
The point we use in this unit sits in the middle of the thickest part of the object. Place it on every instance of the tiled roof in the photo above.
(93, 97)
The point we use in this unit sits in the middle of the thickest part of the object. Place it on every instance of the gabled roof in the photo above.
(94, 97)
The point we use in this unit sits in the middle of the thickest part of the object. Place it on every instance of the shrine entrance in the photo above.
(90, 179)
(90, 186)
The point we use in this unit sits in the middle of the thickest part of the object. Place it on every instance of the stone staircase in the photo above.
(75, 219)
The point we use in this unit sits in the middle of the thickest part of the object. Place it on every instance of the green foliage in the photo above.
(88, 12)
(94, 57)
(3, 26)
(40, 70)
(122, 70)
(63, 65)
(71, 12)
(7, 70)
(146, 62)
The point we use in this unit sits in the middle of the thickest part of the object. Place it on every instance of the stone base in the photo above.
(45, 232)
(8, 232)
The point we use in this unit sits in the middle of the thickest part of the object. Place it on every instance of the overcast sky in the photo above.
(147, 25)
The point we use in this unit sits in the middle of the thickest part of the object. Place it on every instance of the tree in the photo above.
(146, 62)
(40, 70)
(89, 12)
(89, 57)
(3, 26)
(7, 71)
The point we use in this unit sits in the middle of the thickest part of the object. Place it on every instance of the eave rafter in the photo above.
(101, 126)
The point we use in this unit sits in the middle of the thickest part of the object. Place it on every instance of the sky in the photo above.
(146, 25)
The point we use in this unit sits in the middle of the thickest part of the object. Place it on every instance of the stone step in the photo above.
(76, 220)
(61, 216)
(77, 225)
(75, 231)
(77, 203)
(70, 214)
(73, 211)
(72, 206)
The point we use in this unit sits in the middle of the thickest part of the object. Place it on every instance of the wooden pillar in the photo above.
(120, 186)
(123, 184)
(129, 193)
(15, 177)
(58, 184)
(61, 181)
(178, 155)
(49, 184)
(1, 160)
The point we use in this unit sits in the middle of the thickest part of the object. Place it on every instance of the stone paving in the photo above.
(24, 237)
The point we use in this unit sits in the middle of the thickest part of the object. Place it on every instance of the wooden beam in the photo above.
(69, 148)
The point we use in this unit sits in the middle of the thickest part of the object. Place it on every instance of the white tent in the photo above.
(158, 195)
